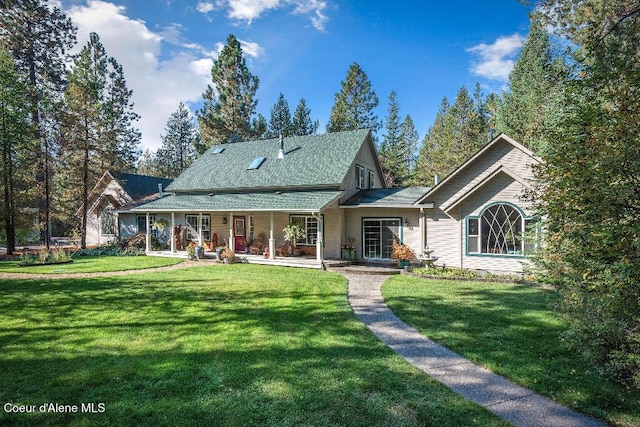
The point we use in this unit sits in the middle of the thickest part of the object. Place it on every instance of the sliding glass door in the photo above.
(378, 235)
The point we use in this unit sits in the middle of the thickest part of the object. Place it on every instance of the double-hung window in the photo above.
(142, 224)
(501, 229)
(378, 235)
(309, 225)
(193, 229)
(372, 179)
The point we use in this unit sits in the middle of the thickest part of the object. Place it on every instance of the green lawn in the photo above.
(514, 331)
(91, 264)
(216, 345)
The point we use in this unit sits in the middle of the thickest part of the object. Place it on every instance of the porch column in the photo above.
(320, 241)
(200, 229)
(272, 241)
(172, 234)
(232, 244)
(147, 240)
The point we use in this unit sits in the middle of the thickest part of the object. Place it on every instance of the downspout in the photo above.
(422, 223)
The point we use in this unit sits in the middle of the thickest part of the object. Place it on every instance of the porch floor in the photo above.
(300, 261)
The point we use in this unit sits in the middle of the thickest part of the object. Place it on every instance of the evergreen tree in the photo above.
(259, 127)
(589, 184)
(229, 104)
(534, 80)
(17, 144)
(302, 122)
(280, 122)
(40, 39)
(430, 159)
(409, 144)
(459, 131)
(148, 164)
(120, 139)
(391, 153)
(354, 105)
(80, 151)
(179, 144)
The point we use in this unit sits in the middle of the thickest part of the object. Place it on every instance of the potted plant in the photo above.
(294, 232)
(402, 253)
(350, 250)
(191, 251)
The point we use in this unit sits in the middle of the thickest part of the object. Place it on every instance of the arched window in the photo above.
(108, 221)
(501, 229)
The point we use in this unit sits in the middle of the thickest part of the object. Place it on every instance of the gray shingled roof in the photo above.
(139, 186)
(313, 161)
(387, 197)
(306, 201)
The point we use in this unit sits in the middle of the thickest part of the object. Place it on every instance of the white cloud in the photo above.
(496, 60)
(158, 83)
(316, 7)
(248, 10)
(205, 7)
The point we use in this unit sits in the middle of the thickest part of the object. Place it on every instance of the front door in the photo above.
(239, 233)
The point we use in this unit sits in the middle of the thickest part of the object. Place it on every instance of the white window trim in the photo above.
(152, 220)
(524, 220)
(306, 219)
(365, 253)
(360, 177)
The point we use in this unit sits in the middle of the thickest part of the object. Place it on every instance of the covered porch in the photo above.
(250, 224)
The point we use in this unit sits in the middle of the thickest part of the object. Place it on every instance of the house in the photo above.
(332, 185)
(118, 192)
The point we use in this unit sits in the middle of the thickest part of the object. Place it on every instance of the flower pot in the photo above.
(404, 263)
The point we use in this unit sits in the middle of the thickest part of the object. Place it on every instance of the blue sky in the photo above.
(424, 50)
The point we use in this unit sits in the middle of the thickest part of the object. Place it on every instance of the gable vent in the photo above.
(256, 163)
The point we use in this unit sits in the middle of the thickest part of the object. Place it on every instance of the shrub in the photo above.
(401, 252)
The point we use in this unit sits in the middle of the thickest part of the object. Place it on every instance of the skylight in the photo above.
(256, 163)
(218, 150)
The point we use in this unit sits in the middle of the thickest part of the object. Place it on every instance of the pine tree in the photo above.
(535, 78)
(148, 164)
(302, 122)
(391, 153)
(120, 139)
(354, 105)
(409, 144)
(259, 127)
(179, 144)
(429, 162)
(229, 104)
(82, 125)
(17, 144)
(459, 131)
(280, 122)
(40, 39)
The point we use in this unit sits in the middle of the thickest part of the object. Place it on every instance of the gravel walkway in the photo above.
(515, 404)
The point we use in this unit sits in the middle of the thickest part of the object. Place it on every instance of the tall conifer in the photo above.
(230, 102)
(302, 122)
(354, 105)
(40, 38)
(17, 144)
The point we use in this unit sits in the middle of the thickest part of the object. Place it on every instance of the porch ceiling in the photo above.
(258, 201)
